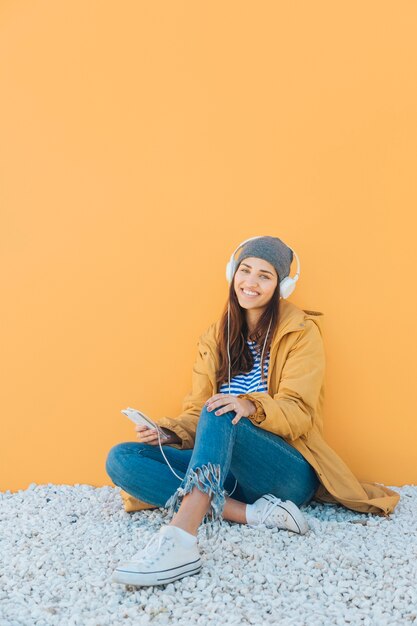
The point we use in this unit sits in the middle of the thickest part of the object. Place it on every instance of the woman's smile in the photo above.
(248, 293)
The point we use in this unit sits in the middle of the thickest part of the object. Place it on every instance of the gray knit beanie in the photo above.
(270, 249)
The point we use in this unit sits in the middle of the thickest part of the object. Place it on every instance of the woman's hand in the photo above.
(242, 406)
(146, 435)
(149, 435)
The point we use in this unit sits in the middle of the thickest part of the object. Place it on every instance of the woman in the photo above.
(251, 427)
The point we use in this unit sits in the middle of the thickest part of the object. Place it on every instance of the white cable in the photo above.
(179, 477)
(228, 354)
(233, 489)
(228, 338)
(228, 350)
(160, 445)
(267, 333)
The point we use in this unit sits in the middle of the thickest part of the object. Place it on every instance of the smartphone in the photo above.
(143, 420)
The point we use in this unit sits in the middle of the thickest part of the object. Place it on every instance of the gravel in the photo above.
(59, 545)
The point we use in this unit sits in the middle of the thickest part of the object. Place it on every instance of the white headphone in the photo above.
(286, 285)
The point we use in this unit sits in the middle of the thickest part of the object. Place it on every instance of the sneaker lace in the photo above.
(271, 507)
(153, 548)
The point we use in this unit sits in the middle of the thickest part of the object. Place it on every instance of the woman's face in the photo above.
(255, 282)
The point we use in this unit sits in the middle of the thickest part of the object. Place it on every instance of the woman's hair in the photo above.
(241, 358)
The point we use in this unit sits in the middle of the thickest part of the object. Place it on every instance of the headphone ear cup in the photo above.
(286, 287)
(229, 271)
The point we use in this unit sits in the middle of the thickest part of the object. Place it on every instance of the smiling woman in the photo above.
(250, 427)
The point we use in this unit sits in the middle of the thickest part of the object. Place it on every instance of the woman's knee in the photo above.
(116, 457)
(211, 415)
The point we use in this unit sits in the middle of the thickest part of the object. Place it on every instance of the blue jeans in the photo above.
(223, 453)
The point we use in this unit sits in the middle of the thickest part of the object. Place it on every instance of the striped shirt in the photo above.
(247, 383)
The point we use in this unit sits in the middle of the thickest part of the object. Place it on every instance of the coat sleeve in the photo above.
(290, 411)
(185, 424)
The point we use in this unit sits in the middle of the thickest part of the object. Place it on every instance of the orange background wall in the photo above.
(141, 142)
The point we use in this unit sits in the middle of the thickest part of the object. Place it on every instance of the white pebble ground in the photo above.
(59, 545)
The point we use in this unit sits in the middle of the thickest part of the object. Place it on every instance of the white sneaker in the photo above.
(275, 513)
(168, 555)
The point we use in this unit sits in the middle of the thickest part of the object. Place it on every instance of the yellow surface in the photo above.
(140, 143)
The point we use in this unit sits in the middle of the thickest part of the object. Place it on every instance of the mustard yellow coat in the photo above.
(292, 409)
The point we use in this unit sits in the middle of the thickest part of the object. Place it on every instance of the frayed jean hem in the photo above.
(208, 480)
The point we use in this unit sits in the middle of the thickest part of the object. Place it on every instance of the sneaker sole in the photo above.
(161, 577)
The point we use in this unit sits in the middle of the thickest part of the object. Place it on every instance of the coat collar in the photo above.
(291, 319)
